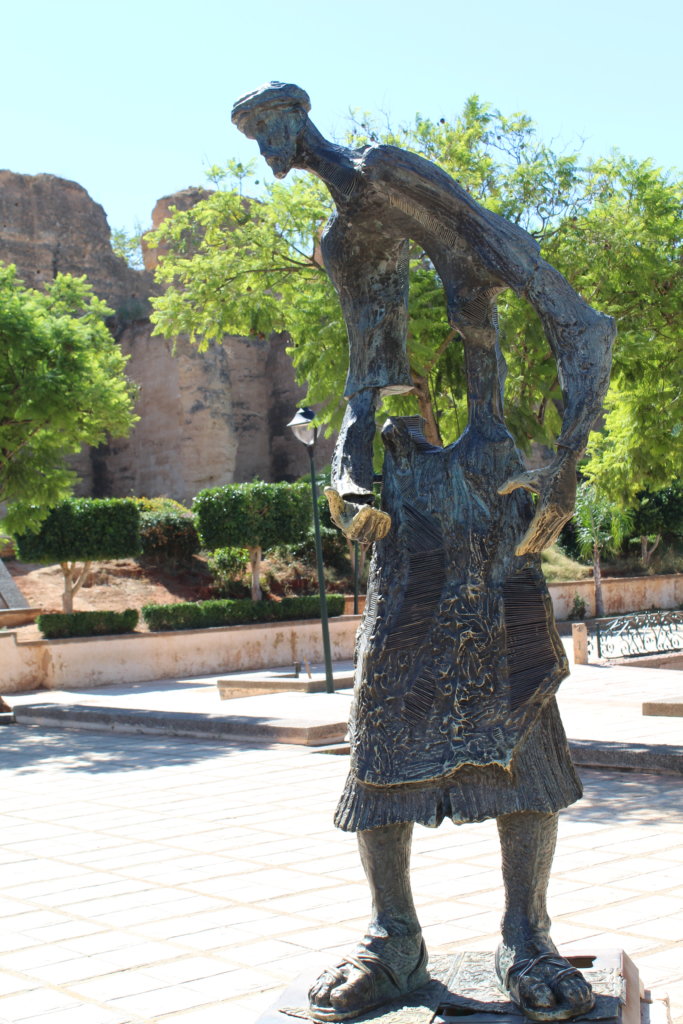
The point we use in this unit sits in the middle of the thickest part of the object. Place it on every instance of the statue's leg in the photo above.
(548, 988)
(391, 958)
(350, 495)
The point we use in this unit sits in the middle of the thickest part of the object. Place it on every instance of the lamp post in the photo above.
(306, 431)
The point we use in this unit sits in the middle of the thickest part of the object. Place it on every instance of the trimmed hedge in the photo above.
(84, 530)
(202, 614)
(252, 515)
(102, 623)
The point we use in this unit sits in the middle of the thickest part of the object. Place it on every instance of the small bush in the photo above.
(168, 535)
(227, 566)
(203, 614)
(87, 623)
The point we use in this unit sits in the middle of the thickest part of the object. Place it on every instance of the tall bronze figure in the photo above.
(458, 658)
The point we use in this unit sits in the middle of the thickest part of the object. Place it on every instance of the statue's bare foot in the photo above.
(376, 972)
(544, 985)
(359, 522)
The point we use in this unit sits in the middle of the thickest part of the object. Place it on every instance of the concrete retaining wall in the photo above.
(627, 594)
(102, 661)
(99, 661)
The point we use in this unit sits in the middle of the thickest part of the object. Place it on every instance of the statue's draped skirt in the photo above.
(457, 656)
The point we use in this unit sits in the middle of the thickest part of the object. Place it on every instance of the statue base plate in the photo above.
(464, 985)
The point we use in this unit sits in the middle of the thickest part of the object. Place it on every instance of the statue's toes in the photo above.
(322, 988)
(357, 991)
(575, 991)
(536, 995)
(339, 990)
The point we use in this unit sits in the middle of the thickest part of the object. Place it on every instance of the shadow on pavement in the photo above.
(25, 749)
(628, 796)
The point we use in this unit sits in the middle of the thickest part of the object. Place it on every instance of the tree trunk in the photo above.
(362, 555)
(646, 552)
(255, 567)
(73, 581)
(597, 583)
(424, 399)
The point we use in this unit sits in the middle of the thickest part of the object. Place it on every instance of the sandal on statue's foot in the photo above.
(544, 995)
(378, 983)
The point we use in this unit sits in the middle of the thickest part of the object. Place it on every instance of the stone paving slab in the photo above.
(193, 708)
(153, 880)
(306, 679)
(663, 708)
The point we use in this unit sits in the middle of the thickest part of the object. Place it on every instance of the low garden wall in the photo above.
(620, 594)
(137, 657)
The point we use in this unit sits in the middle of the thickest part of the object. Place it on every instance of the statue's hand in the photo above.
(359, 522)
(555, 486)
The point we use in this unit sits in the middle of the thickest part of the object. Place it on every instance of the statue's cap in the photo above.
(271, 96)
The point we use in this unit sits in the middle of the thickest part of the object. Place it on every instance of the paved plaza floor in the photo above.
(157, 879)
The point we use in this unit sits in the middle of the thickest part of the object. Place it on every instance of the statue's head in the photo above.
(275, 116)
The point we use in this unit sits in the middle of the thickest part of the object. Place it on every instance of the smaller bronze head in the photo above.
(274, 115)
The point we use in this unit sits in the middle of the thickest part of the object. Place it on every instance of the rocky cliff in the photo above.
(205, 418)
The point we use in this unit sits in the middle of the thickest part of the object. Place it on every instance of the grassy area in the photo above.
(559, 568)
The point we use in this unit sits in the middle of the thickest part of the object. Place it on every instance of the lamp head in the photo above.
(304, 427)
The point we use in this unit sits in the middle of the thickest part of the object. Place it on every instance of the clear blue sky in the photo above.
(132, 99)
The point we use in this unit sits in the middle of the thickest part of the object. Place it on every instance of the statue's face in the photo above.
(277, 133)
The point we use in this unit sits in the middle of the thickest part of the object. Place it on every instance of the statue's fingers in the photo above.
(335, 501)
(369, 525)
(543, 531)
(530, 481)
(337, 507)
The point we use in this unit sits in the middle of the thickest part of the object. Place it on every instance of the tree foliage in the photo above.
(62, 385)
(613, 226)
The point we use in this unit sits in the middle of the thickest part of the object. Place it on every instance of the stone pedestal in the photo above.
(465, 985)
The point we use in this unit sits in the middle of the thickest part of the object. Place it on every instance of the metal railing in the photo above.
(628, 636)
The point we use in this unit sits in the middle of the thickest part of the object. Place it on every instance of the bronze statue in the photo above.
(458, 658)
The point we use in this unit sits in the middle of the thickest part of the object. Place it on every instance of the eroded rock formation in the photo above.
(205, 418)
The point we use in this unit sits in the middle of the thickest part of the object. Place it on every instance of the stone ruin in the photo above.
(205, 418)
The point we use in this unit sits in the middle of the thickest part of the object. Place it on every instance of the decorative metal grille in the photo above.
(627, 636)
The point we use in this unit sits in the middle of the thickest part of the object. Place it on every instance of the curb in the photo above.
(636, 757)
(180, 723)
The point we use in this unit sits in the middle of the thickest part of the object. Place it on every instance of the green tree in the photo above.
(128, 246)
(658, 514)
(601, 526)
(613, 227)
(624, 255)
(80, 531)
(256, 516)
(62, 385)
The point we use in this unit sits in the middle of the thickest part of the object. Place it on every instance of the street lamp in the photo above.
(306, 431)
